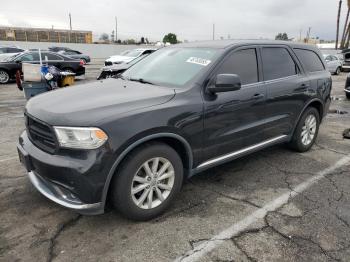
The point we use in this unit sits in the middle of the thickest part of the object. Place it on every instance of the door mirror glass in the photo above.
(226, 83)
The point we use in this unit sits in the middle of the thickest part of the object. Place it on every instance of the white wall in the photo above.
(93, 50)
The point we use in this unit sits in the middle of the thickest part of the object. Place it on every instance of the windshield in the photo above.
(11, 58)
(172, 66)
(124, 53)
(134, 53)
(135, 60)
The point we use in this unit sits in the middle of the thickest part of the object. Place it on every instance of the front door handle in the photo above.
(258, 96)
(305, 85)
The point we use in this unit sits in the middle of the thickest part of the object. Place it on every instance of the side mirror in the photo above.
(226, 83)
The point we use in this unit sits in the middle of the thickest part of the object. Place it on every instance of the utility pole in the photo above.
(116, 29)
(300, 32)
(338, 18)
(70, 21)
(70, 27)
(213, 31)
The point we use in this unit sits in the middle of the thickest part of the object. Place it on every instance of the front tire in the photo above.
(306, 131)
(4, 77)
(147, 181)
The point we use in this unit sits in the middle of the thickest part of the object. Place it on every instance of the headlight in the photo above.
(80, 137)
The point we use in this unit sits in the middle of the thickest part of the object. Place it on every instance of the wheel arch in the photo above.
(316, 103)
(177, 142)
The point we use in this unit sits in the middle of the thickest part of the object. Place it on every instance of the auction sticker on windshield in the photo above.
(198, 61)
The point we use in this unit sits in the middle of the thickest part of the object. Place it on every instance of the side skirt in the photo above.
(233, 155)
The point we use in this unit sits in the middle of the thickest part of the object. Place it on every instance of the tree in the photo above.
(338, 19)
(170, 38)
(104, 37)
(142, 40)
(282, 36)
(345, 35)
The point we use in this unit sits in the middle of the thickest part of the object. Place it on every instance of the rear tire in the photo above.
(4, 77)
(142, 193)
(337, 72)
(306, 131)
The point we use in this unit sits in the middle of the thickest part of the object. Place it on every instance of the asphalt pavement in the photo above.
(274, 205)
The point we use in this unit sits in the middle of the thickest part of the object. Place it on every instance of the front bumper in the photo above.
(70, 178)
(63, 197)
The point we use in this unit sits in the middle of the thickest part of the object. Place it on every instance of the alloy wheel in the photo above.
(4, 77)
(152, 183)
(308, 130)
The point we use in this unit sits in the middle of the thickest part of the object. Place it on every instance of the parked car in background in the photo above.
(76, 55)
(116, 69)
(346, 60)
(132, 141)
(7, 51)
(11, 65)
(347, 87)
(129, 56)
(334, 64)
(58, 48)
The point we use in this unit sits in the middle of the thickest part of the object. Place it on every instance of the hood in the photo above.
(116, 67)
(119, 58)
(91, 104)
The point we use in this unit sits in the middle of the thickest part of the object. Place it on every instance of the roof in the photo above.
(223, 44)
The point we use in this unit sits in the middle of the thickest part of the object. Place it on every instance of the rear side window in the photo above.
(277, 63)
(310, 60)
(242, 63)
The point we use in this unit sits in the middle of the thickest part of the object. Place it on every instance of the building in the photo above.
(45, 35)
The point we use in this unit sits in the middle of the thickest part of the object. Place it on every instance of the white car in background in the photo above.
(7, 51)
(334, 64)
(128, 56)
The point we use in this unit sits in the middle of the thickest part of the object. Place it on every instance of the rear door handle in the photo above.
(258, 96)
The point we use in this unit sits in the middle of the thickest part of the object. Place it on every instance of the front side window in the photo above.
(310, 60)
(277, 63)
(172, 66)
(50, 57)
(242, 63)
(30, 57)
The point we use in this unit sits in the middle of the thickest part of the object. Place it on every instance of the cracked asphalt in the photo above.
(312, 226)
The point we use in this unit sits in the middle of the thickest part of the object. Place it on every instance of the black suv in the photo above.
(181, 110)
(11, 65)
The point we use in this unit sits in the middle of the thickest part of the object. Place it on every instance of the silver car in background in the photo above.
(334, 64)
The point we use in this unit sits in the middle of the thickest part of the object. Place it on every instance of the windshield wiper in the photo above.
(141, 80)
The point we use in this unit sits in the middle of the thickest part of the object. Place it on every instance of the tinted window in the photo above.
(277, 63)
(242, 63)
(30, 57)
(3, 50)
(50, 56)
(14, 50)
(310, 60)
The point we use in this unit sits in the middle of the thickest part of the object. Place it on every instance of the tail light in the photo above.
(82, 63)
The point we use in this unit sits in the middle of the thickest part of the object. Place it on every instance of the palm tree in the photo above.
(346, 28)
(338, 20)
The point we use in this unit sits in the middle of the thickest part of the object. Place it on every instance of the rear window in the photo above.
(277, 63)
(310, 60)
